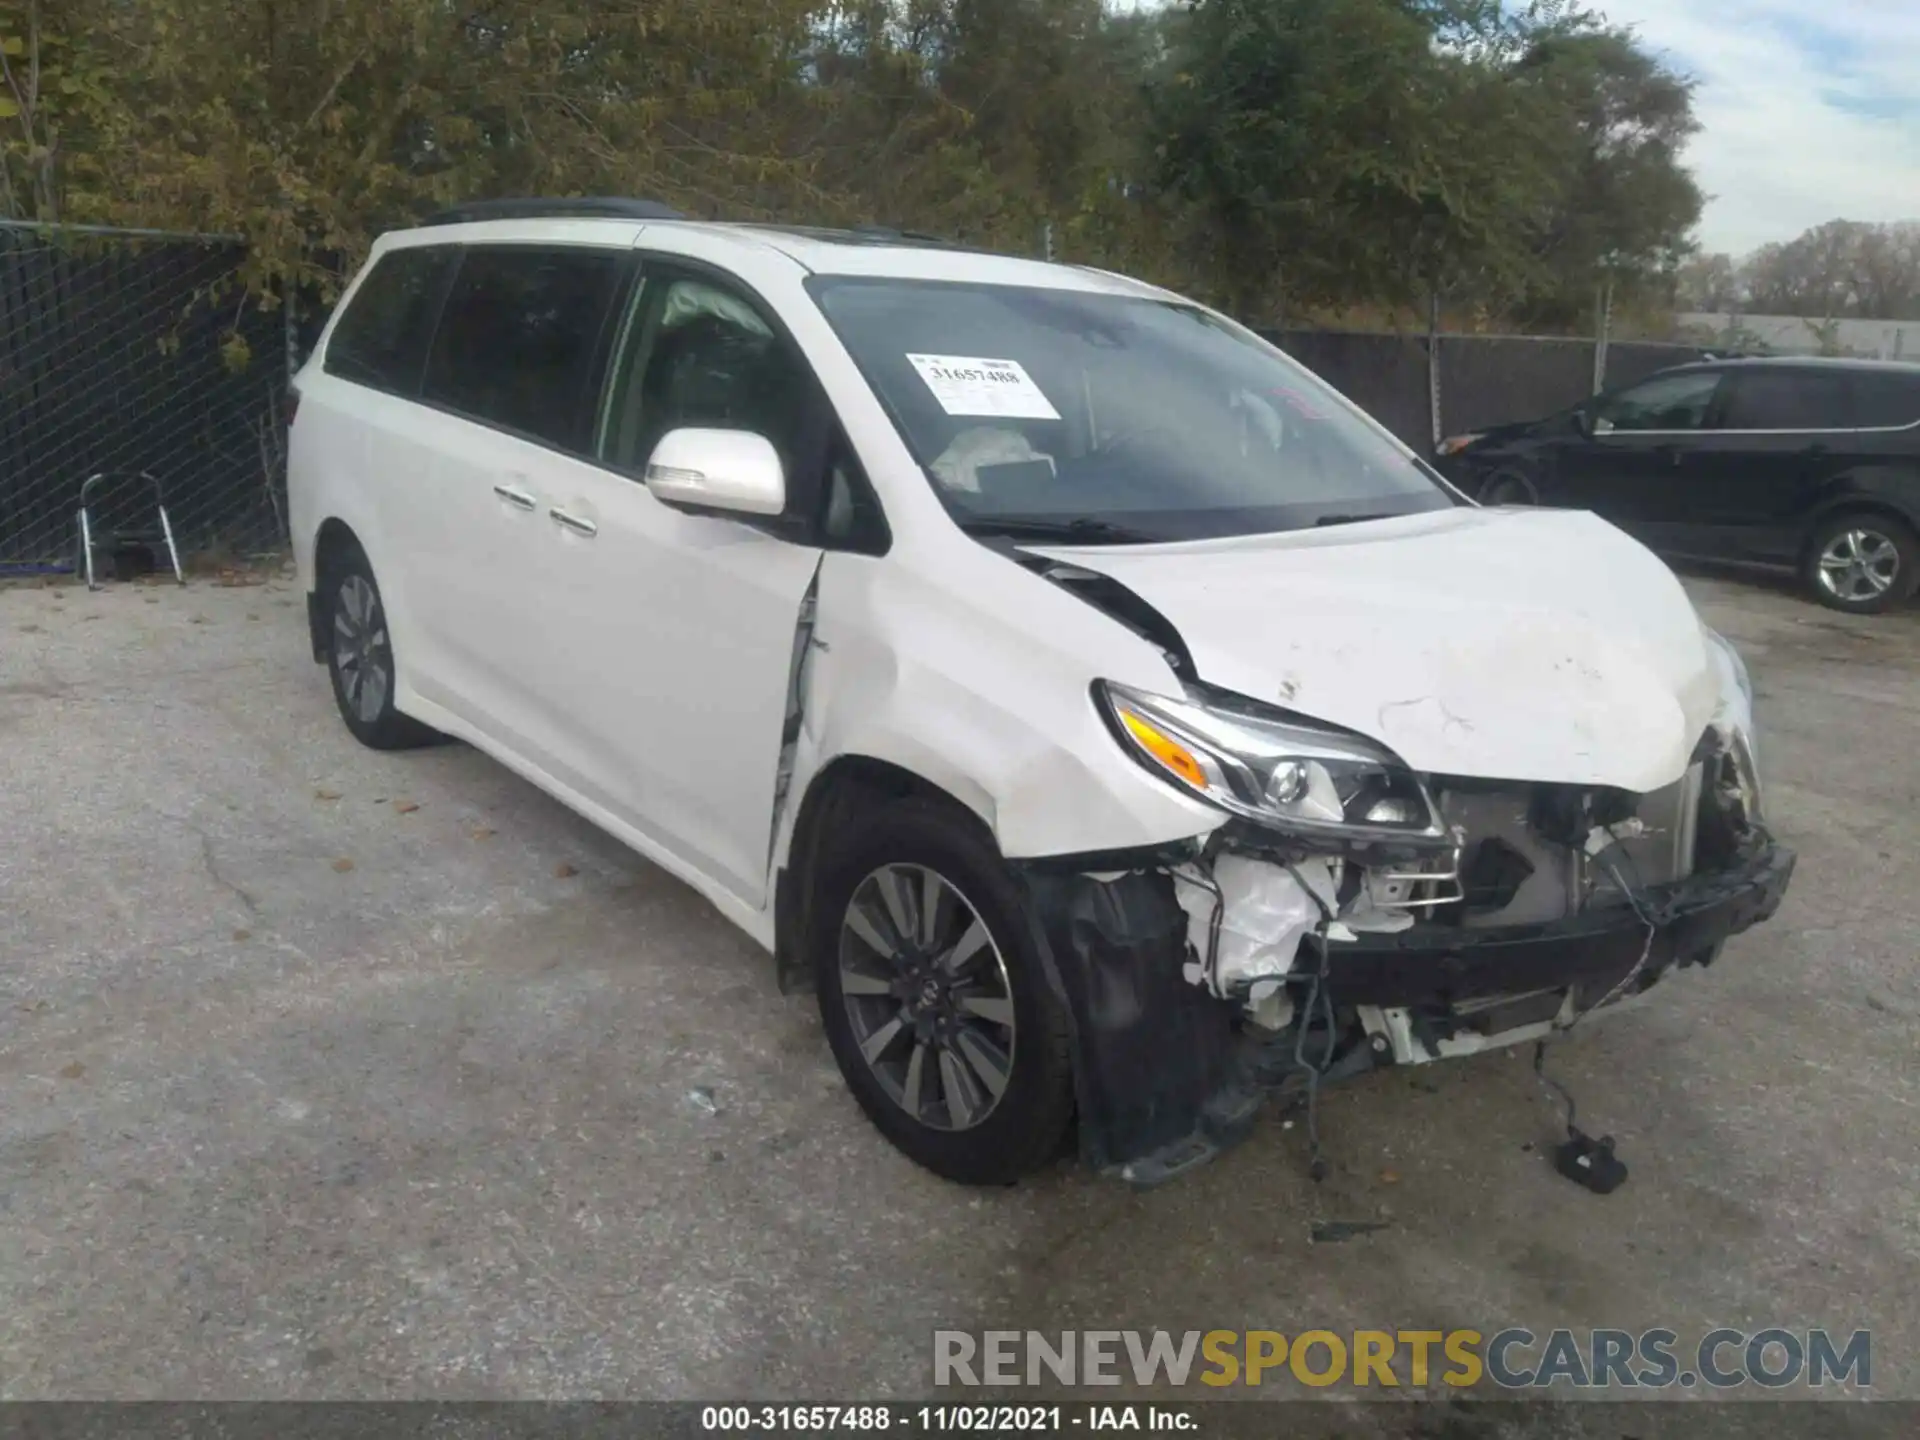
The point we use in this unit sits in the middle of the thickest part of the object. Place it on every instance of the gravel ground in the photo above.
(337, 1074)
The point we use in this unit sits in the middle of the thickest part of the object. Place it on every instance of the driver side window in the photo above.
(696, 353)
(1666, 402)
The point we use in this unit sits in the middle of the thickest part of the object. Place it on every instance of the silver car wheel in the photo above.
(1858, 565)
(362, 652)
(927, 996)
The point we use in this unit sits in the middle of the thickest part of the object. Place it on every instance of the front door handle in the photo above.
(516, 497)
(579, 525)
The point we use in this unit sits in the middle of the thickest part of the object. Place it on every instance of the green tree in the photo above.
(1343, 150)
(308, 125)
(1258, 152)
(1624, 204)
(54, 91)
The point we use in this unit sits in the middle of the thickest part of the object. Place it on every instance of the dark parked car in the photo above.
(1802, 462)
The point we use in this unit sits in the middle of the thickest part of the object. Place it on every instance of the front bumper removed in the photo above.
(1168, 1075)
(1591, 952)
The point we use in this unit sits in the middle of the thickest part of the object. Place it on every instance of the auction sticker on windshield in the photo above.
(969, 385)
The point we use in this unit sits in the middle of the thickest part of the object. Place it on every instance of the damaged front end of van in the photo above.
(1371, 901)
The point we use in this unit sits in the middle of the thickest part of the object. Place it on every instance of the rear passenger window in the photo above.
(1884, 400)
(1783, 399)
(382, 338)
(518, 339)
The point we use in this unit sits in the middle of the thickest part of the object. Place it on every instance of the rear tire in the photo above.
(945, 1029)
(360, 658)
(1861, 562)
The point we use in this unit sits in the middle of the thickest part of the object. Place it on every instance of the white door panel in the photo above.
(474, 519)
(410, 547)
(675, 634)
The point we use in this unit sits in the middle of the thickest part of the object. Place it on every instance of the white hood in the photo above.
(1534, 645)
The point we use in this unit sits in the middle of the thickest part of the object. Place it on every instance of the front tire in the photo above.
(360, 658)
(935, 999)
(1861, 562)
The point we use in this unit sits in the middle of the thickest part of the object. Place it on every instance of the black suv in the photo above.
(1801, 462)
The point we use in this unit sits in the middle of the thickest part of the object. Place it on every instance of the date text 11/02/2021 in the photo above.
(989, 1419)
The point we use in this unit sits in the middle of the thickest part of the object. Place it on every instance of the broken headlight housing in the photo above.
(1733, 722)
(1272, 768)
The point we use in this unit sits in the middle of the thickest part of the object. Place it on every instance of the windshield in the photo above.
(1110, 418)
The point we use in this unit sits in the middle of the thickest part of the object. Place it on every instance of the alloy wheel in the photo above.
(1859, 565)
(927, 996)
(362, 652)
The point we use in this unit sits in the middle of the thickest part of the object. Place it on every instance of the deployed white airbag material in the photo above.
(1266, 910)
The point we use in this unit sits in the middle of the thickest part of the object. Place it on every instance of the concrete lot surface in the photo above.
(337, 1074)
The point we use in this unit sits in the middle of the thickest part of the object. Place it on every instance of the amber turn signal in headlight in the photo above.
(1271, 767)
(1168, 751)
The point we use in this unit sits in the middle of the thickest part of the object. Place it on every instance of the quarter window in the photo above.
(1784, 399)
(1666, 402)
(519, 337)
(382, 338)
(1885, 400)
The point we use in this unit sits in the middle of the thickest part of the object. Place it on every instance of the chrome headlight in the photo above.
(1269, 768)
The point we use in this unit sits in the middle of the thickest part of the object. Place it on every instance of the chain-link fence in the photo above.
(137, 357)
(1424, 390)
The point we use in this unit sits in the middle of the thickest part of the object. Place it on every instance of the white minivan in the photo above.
(1110, 722)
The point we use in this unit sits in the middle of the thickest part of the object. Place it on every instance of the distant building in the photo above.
(1798, 335)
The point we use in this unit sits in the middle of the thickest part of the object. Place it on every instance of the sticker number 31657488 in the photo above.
(970, 385)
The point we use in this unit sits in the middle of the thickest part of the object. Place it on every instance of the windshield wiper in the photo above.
(1084, 529)
(1326, 520)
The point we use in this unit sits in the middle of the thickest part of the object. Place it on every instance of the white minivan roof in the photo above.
(819, 251)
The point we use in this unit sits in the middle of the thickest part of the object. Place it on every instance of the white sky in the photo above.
(1810, 109)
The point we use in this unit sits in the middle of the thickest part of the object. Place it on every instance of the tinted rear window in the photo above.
(519, 335)
(382, 338)
(1886, 399)
(1786, 400)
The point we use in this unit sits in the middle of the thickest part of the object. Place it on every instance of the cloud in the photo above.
(1808, 113)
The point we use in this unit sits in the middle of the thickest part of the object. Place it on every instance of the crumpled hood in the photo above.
(1533, 645)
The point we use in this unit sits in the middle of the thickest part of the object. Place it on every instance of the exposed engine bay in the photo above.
(1300, 967)
(1520, 855)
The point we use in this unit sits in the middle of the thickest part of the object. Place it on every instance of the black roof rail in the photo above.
(585, 207)
(889, 232)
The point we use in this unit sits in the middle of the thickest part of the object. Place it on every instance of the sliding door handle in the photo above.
(578, 524)
(516, 497)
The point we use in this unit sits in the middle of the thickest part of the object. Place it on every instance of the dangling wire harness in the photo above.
(1319, 999)
(1319, 1002)
(1581, 1158)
